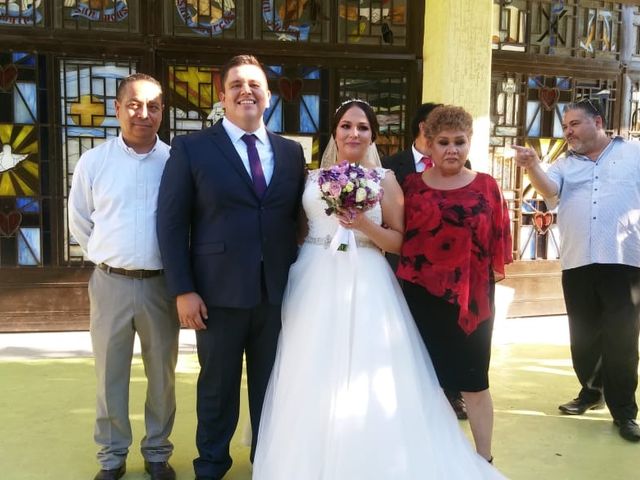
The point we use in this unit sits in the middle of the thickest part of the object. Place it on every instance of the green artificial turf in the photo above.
(47, 410)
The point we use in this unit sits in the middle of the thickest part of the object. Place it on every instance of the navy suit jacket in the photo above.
(402, 164)
(216, 235)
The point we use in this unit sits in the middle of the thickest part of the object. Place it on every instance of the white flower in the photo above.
(361, 194)
(348, 187)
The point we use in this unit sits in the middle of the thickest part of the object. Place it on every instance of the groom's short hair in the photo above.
(236, 62)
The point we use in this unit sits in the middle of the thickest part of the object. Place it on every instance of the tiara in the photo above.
(352, 100)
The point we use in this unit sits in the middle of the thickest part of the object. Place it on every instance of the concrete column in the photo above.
(457, 64)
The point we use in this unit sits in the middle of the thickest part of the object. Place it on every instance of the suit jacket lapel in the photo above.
(407, 162)
(222, 141)
(278, 160)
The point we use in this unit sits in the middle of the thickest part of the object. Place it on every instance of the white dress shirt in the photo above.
(263, 145)
(599, 205)
(417, 158)
(113, 204)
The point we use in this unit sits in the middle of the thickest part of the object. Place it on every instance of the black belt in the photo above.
(140, 274)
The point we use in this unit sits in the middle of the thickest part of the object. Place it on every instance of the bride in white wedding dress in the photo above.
(353, 394)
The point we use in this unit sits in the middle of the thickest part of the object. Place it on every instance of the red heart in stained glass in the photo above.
(9, 223)
(549, 97)
(290, 89)
(8, 76)
(542, 221)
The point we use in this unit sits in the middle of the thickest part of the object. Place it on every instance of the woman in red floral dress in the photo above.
(457, 241)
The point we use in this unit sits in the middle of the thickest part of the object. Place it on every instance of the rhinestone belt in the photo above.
(326, 242)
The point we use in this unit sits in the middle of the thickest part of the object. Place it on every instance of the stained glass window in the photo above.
(193, 97)
(295, 94)
(87, 109)
(558, 27)
(20, 13)
(292, 20)
(541, 99)
(386, 93)
(21, 160)
(273, 115)
(634, 110)
(106, 15)
(372, 22)
(205, 18)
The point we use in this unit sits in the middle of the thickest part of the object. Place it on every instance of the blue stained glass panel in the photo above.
(563, 83)
(97, 87)
(311, 73)
(535, 82)
(25, 105)
(28, 59)
(87, 132)
(527, 245)
(273, 114)
(533, 119)
(274, 71)
(557, 120)
(309, 113)
(27, 204)
(29, 246)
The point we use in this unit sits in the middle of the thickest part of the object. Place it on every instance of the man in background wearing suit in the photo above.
(417, 159)
(227, 217)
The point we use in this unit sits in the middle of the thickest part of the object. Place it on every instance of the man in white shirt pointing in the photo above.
(112, 215)
(597, 186)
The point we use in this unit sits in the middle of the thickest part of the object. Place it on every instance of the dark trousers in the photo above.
(230, 333)
(603, 305)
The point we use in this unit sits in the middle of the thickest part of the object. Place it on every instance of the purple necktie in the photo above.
(259, 182)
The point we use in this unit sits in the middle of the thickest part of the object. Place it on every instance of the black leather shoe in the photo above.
(113, 474)
(160, 470)
(629, 429)
(578, 406)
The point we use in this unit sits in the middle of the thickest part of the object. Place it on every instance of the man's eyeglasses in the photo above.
(590, 106)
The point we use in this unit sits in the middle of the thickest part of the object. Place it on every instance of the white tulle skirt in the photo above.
(353, 394)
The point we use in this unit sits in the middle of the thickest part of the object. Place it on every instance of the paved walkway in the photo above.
(20, 346)
(550, 330)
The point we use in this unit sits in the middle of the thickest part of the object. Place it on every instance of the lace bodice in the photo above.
(322, 225)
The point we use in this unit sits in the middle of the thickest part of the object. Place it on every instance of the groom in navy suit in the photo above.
(227, 218)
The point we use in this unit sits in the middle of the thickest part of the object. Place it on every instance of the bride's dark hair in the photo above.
(362, 105)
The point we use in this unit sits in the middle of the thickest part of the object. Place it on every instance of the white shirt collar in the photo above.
(417, 155)
(614, 139)
(235, 132)
(132, 152)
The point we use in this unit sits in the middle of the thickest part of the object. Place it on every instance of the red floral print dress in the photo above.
(456, 243)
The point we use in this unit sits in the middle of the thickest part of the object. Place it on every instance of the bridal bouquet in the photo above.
(349, 188)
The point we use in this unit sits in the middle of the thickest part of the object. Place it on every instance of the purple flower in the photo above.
(349, 187)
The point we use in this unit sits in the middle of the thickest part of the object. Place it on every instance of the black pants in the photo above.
(230, 333)
(603, 305)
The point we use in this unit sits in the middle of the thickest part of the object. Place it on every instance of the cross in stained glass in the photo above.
(88, 112)
(552, 30)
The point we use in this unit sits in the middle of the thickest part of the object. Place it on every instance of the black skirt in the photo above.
(461, 361)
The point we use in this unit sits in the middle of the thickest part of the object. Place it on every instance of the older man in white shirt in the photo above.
(597, 187)
(112, 215)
